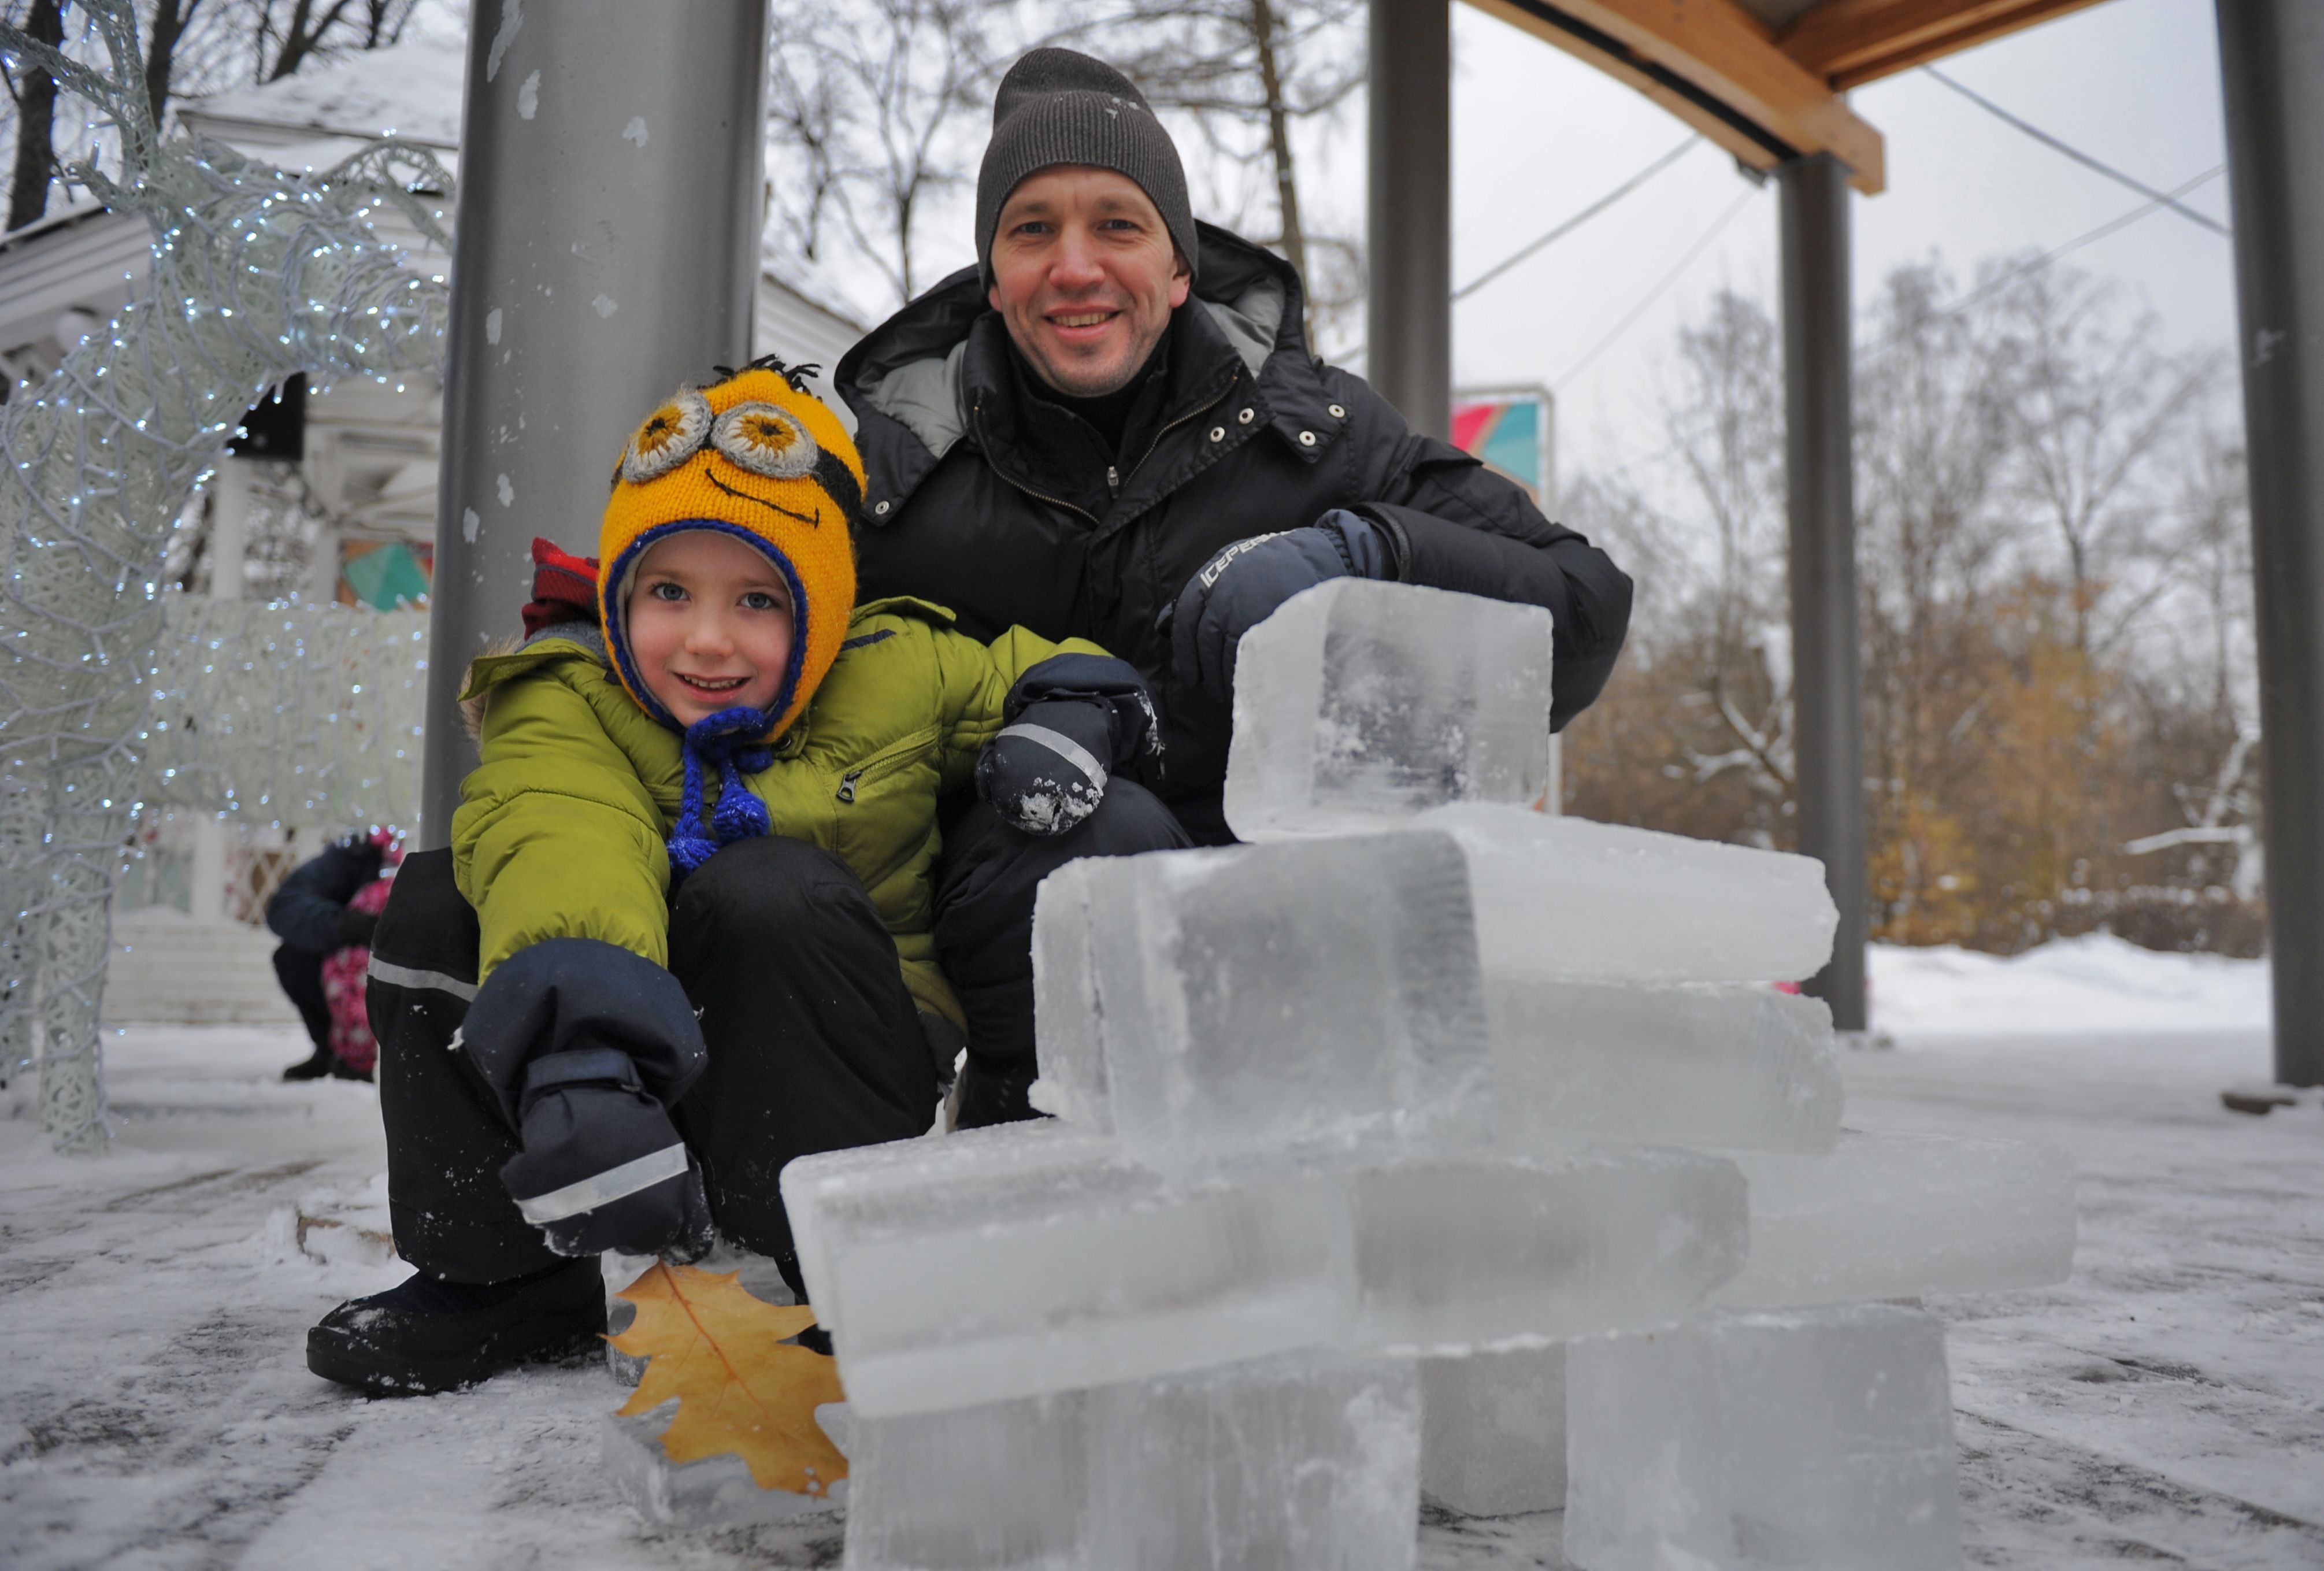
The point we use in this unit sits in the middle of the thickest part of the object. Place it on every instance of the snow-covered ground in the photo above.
(2167, 1404)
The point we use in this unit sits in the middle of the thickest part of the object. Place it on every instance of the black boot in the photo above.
(430, 1336)
(341, 1070)
(324, 1062)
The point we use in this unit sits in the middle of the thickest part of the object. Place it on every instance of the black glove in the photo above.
(586, 1046)
(990, 1094)
(1242, 585)
(1067, 724)
(355, 928)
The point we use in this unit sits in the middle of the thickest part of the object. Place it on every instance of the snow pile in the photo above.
(2094, 985)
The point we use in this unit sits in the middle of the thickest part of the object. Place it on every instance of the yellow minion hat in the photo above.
(760, 457)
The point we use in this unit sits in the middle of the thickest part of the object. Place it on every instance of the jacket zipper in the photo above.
(1027, 490)
(1114, 479)
(847, 784)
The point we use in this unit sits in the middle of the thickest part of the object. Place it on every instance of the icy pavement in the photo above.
(2167, 1404)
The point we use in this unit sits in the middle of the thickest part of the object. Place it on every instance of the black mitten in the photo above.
(602, 1167)
(586, 1046)
(1067, 724)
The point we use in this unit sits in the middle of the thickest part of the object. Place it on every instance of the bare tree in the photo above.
(874, 109)
(168, 24)
(2090, 402)
(35, 98)
(2055, 590)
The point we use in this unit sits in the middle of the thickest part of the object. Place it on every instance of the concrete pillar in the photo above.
(2272, 63)
(1409, 222)
(607, 250)
(1828, 683)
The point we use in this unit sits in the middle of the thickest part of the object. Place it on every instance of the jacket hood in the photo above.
(908, 368)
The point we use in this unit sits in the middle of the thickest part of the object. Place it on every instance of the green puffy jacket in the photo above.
(562, 829)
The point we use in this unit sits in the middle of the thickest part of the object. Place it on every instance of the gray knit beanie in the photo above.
(1056, 107)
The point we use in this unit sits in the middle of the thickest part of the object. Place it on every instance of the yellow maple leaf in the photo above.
(741, 1387)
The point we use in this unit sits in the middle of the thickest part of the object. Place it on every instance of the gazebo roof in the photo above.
(1766, 78)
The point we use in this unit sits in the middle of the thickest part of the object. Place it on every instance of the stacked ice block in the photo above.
(1375, 1135)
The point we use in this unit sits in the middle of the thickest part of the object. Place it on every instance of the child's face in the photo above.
(710, 624)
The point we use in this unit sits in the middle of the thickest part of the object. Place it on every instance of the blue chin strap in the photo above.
(726, 742)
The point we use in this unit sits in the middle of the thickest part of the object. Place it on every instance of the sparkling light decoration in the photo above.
(306, 716)
(256, 274)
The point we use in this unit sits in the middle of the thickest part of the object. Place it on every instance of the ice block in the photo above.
(1034, 1259)
(716, 1491)
(1895, 1215)
(1735, 1064)
(1201, 1003)
(1456, 1255)
(1308, 1460)
(1359, 701)
(1492, 1431)
(1566, 899)
(1004, 1487)
(1815, 1441)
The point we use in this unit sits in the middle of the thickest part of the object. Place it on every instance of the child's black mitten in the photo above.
(586, 1046)
(1067, 724)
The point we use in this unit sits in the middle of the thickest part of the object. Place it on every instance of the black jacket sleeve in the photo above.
(304, 910)
(1457, 525)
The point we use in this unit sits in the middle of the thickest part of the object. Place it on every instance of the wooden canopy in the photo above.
(1764, 78)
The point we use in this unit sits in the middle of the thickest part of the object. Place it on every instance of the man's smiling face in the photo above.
(1085, 276)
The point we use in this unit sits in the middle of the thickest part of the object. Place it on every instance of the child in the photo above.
(692, 875)
(324, 912)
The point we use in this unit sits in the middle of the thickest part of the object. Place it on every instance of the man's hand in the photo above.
(1067, 724)
(1242, 585)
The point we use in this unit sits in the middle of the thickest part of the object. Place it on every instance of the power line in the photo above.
(1580, 219)
(1665, 283)
(2162, 199)
(1874, 351)
(2084, 159)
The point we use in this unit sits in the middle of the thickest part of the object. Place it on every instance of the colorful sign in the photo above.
(384, 574)
(1510, 431)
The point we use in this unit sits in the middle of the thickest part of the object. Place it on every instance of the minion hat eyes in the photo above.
(765, 440)
(670, 436)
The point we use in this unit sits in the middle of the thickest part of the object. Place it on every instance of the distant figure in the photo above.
(324, 913)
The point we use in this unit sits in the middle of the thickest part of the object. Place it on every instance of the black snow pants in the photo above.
(986, 878)
(302, 975)
(815, 1045)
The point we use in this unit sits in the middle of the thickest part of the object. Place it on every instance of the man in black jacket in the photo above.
(1112, 428)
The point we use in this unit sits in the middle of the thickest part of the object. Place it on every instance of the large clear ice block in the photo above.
(1034, 1259)
(1310, 1460)
(1717, 1064)
(1359, 701)
(1456, 1255)
(1567, 899)
(1202, 1003)
(1492, 1431)
(1815, 1441)
(1895, 1215)
(1002, 1487)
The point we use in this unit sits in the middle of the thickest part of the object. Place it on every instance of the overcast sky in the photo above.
(1538, 135)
